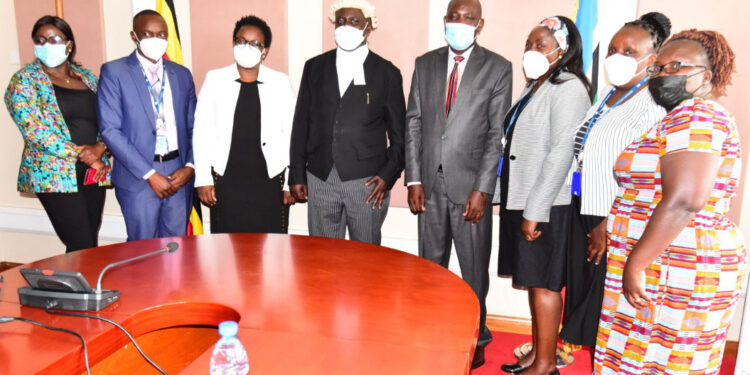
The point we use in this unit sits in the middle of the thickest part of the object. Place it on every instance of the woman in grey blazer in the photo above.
(534, 198)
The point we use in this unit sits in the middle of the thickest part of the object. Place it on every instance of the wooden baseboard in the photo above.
(509, 324)
(730, 348)
(4, 266)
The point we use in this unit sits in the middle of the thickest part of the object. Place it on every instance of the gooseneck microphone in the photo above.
(170, 248)
(67, 290)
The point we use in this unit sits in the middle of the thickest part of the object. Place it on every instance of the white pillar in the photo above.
(305, 35)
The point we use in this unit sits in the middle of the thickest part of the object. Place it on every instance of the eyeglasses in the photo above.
(671, 67)
(55, 39)
(252, 43)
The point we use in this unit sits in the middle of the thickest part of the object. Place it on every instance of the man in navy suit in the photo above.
(145, 110)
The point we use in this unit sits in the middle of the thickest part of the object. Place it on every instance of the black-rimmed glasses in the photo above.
(671, 67)
(252, 43)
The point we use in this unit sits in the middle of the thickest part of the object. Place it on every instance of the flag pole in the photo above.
(59, 8)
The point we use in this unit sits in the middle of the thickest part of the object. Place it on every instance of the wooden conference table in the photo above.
(305, 305)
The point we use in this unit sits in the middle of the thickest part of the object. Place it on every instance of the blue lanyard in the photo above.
(157, 101)
(598, 114)
(514, 116)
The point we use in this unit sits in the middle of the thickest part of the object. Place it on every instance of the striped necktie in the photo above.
(452, 86)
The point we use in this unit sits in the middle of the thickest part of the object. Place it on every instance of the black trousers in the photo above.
(76, 217)
(585, 281)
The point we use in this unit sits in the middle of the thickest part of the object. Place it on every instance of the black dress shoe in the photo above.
(513, 368)
(478, 359)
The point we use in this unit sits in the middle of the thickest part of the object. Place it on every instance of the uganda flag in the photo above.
(174, 48)
(174, 53)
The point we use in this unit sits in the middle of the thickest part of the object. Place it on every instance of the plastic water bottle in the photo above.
(229, 357)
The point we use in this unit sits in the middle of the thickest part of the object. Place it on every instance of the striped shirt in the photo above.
(607, 139)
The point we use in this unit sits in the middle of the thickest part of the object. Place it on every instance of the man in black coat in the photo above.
(347, 147)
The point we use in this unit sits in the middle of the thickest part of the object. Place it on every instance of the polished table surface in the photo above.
(305, 305)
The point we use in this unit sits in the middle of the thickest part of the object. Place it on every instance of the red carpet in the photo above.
(500, 351)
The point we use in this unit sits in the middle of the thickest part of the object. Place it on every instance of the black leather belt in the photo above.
(167, 157)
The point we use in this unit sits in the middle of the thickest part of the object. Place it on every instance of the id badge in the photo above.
(162, 146)
(500, 167)
(575, 186)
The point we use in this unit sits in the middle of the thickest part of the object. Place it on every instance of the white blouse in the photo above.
(606, 140)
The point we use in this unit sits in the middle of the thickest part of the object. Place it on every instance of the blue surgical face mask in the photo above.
(51, 55)
(460, 36)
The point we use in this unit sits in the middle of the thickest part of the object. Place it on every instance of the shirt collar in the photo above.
(355, 57)
(146, 63)
(466, 54)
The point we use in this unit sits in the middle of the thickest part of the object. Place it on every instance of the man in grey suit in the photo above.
(457, 104)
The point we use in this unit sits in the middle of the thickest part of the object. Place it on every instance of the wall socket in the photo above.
(14, 58)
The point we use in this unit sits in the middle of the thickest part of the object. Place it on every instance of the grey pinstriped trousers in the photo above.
(333, 205)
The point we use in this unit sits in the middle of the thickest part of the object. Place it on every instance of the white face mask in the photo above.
(247, 56)
(621, 69)
(348, 37)
(153, 47)
(535, 63)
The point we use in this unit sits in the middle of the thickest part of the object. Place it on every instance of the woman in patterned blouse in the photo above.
(675, 261)
(53, 102)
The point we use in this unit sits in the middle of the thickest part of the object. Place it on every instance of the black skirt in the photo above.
(585, 284)
(537, 264)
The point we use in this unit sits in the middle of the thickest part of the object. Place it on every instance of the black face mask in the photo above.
(669, 91)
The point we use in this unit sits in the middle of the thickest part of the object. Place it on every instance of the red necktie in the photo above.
(452, 86)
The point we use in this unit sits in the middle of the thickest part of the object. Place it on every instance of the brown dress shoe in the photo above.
(478, 359)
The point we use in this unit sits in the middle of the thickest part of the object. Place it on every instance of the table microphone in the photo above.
(170, 248)
(66, 290)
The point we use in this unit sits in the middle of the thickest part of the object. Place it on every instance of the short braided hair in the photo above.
(720, 55)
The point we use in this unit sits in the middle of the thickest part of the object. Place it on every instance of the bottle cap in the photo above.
(228, 328)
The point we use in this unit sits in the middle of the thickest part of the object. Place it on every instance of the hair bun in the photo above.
(660, 23)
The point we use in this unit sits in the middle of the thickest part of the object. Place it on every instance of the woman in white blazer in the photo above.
(534, 197)
(243, 123)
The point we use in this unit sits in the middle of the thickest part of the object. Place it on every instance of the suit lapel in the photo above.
(440, 81)
(139, 82)
(266, 96)
(331, 79)
(174, 88)
(466, 85)
(369, 68)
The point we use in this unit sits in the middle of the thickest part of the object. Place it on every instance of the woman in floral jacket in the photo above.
(53, 102)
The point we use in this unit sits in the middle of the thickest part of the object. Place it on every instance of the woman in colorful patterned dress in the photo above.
(676, 262)
(53, 103)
